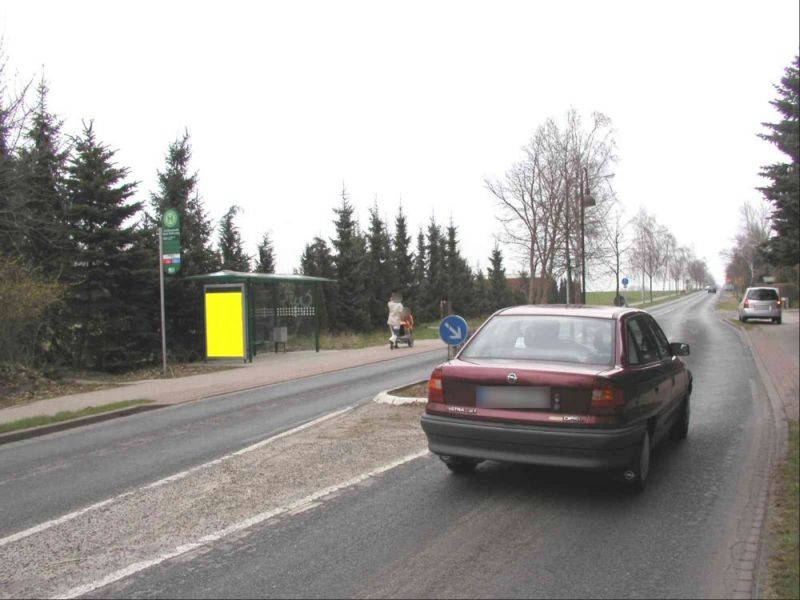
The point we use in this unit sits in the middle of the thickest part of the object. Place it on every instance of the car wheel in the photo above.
(778, 321)
(743, 319)
(680, 429)
(459, 465)
(635, 476)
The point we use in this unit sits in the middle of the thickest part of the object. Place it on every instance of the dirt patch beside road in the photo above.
(156, 520)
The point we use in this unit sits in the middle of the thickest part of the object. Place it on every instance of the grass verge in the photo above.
(369, 339)
(67, 415)
(784, 559)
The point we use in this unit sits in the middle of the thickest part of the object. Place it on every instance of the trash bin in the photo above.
(280, 336)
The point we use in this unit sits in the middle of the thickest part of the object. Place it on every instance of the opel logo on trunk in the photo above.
(511, 378)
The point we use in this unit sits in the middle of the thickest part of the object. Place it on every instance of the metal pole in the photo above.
(569, 265)
(163, 320)
(583, 240)
(316, 289)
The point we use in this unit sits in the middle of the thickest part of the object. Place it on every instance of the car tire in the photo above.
(635, 476)
(680, 429)
(778, 321)
(461, 466)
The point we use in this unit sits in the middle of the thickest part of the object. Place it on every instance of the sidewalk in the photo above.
(778, 347)
(266, 369)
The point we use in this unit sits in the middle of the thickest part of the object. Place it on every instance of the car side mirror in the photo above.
(679, 349)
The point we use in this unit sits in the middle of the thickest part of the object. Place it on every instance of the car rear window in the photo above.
(762, 294)
(582, 340)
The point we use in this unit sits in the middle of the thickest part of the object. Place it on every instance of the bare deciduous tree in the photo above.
(539, 197)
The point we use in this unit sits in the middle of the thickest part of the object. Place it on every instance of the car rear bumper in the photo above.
(562, 447)
(750, 313)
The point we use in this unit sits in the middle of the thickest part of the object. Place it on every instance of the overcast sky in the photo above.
(419, 101)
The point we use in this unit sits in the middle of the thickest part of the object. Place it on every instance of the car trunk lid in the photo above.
(520, 387)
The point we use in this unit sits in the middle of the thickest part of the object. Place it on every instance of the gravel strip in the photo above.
(151, 522)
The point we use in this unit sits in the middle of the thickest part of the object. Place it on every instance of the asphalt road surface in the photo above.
(419, 531)
(43, 478)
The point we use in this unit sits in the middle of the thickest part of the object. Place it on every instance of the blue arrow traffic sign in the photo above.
(453, 330)
(625, 281)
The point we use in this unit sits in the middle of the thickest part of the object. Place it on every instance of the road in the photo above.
(418, 531)
(43, 478)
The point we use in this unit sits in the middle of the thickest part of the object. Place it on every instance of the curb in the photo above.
(386, 397)
(24, 434)
(778, 451)
(759, 568)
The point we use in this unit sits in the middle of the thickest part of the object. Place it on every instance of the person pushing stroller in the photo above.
(400, 322)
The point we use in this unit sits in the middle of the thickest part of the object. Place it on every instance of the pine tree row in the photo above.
(79, 255)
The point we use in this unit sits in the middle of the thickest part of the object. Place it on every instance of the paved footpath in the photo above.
(267, 369)
(778, 347)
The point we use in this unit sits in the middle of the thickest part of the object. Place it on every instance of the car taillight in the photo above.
(746, 304)
(779, 303)
(435, 391)
(607, 398)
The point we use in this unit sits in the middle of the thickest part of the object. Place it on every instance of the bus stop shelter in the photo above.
(248, 312)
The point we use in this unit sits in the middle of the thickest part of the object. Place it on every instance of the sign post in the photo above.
(453, 330)
(169, 256)
(171, 236)
(620, 299)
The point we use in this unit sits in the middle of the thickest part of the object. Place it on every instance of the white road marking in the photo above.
(293, 507)
(69, 516)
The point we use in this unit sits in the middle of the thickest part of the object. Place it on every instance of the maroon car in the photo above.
(568, 386)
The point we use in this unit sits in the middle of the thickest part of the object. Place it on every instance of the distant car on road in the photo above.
(761, 303)
(712, 289)
(584, 387)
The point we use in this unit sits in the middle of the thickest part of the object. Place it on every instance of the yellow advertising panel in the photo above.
(224, 324)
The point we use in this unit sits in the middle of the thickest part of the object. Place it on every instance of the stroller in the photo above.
(404, 333)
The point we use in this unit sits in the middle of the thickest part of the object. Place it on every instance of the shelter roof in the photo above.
(241, 277)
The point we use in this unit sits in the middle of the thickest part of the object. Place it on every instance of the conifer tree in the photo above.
(317, 261)
(499, 293)
(177, 189)
(481, 296)
(231, 248)
(349, 260)
(380, 281)
(437, 276)
(265, 261)
(112, 297)
(784, 189)
(460, 288)
(403, 261)
(421, 279)
(11, 226)
(42, 160)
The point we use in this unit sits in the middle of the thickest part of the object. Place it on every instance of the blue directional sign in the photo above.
(453, 330)
(625, 282)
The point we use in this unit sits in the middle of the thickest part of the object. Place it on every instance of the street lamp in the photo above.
(586, 201)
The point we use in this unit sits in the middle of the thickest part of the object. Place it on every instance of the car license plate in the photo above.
(508, 397)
